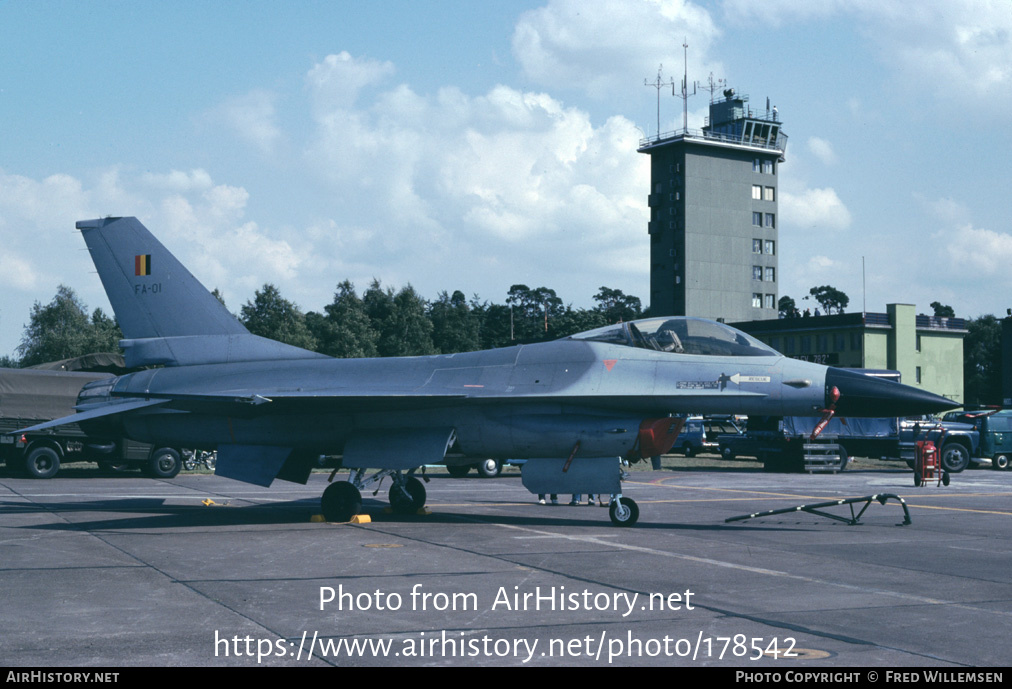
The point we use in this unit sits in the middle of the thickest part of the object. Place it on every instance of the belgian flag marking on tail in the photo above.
(142, 264)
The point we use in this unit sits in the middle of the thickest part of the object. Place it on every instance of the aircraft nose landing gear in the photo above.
(623, 511)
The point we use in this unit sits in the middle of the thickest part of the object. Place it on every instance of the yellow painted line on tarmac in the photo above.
(957, 509)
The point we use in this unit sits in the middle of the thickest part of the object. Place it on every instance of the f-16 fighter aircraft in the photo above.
(570, 406)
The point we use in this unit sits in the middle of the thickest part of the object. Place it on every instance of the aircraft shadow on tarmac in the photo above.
(154, 513)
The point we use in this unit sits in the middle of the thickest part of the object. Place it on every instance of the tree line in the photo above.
(381, 322)
(384, 322)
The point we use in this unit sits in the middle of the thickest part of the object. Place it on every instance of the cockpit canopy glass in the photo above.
(680, 335)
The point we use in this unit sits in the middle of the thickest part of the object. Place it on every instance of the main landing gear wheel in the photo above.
(340, 502)
(457, 470)
(623, 511)
(408, 496)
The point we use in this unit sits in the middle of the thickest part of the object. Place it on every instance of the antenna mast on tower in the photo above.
(658, 84)
(685, 89)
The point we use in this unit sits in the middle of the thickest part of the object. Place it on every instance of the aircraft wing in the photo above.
(105, 410)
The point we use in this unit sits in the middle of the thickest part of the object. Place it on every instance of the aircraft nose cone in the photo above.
(868, 396)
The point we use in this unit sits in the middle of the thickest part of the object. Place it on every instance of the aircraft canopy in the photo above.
(680, 335)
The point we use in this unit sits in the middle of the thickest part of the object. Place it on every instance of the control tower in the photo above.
(713, 214)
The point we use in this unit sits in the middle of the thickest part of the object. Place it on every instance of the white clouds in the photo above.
(200, 221)
(336, 81)
(178, 181)
(251, 117)
(940, 47)
(814, 208)
(605, 47)
(451, 181)
(16, 271)
(984, 252)
(822, 149)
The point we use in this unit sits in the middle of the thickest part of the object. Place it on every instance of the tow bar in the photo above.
(817, 509)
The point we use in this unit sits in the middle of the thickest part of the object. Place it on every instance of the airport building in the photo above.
(926, 350)
(713, 214)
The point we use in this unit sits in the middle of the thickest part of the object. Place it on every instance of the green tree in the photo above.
(105, 333)
(942, 310)
(272, 316)
(788, 309)
(617, 306)
(982, 361)
(61, 329)
(407, 330)
(495, 326)
(572, 321)
(830, 298)
(455, 327)
(345, 331)
(532, 312)
(402, 326)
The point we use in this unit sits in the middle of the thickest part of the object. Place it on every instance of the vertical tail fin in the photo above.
(151, 292)
(166, 315)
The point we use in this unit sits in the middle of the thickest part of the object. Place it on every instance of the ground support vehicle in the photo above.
(927, 465)
(958, 444)
(702, 434)
(30, 396)
(995, 429)
(784, 444)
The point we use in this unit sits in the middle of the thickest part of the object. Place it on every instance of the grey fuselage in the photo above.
(532, 400)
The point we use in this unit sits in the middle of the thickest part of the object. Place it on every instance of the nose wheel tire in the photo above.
(407, 497)
(623, 511)
(340, 502)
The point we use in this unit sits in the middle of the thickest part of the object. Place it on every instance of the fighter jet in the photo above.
(571, 407)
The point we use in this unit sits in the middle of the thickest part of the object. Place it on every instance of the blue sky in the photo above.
(471, 146)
